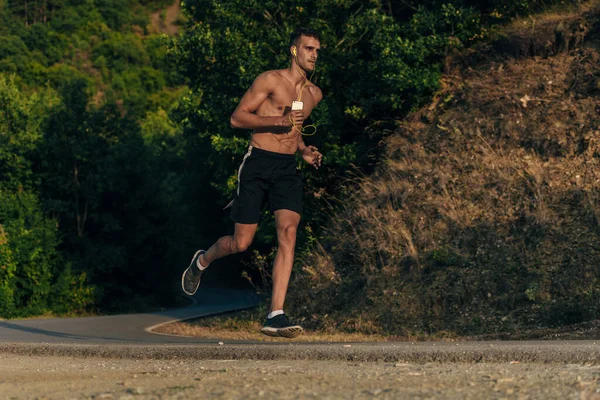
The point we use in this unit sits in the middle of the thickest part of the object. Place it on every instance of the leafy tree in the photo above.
(8, 268)
(29, 261)
(105, 186)
(33, 278)
(50, 43)
(21, 120)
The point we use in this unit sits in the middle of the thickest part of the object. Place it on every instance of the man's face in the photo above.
(308, 52)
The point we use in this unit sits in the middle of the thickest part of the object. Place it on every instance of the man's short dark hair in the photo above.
(295, 36)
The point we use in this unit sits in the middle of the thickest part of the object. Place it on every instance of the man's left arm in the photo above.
(311, 154)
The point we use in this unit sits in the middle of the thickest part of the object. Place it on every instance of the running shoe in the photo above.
(190, 280)
(280, 326)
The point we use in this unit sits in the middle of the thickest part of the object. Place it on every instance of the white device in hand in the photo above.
(297, 105)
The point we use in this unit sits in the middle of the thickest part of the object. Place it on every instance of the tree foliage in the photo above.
(90, 201)
(30, 265)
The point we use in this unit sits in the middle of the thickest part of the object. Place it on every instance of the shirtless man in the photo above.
(268, 171)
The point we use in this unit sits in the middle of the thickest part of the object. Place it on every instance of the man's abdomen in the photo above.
(285, 143)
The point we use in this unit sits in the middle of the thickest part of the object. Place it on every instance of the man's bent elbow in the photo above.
(233, 122)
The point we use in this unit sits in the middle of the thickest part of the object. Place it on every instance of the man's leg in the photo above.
(277, 324)
(236, 243)
(286, 223)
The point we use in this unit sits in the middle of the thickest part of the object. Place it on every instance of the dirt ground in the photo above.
(58, 377)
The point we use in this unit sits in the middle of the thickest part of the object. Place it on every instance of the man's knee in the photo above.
(239, 245)
(287, 234)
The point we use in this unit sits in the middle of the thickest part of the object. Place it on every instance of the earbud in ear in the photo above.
(294, 51)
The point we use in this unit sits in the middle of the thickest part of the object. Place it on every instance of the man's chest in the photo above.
(283, 97)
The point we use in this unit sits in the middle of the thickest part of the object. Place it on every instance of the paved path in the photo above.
(127, 328)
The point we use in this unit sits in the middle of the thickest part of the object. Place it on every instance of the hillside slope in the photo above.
(485, 215)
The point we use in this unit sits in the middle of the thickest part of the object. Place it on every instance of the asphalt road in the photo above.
(126, 328)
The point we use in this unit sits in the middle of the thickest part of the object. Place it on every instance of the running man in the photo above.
(268, 171)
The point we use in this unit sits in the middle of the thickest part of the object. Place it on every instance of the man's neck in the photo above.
(297, 75)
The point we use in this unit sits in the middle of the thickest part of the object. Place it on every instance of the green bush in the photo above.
(50, 43)
(11, 46)
(31, 265)
(29, 260)
(122, 51)
(115, 13)
(8, 268)
(21, 118)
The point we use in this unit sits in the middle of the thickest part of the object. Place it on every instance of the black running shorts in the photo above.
(265, 175)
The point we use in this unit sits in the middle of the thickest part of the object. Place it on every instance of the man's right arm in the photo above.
(244, 116)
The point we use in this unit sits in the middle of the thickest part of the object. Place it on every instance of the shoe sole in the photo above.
(183, 276)
(289, 332)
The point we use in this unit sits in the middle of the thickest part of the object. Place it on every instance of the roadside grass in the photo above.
(589, 330)
(245, 325)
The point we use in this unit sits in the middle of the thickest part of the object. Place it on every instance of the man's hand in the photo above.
(311, 155)
(293, 118)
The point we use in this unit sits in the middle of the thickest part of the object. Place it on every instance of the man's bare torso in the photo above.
(281, 95)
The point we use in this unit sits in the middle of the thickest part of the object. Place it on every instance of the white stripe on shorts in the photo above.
(242, 166)
(239, 176)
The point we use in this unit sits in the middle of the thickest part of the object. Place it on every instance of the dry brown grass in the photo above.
(484, 214)
(245, 325)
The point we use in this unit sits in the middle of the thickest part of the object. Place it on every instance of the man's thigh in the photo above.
(285, 193)
(249, 198)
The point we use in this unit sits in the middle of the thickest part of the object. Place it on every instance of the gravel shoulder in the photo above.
(555, 352)
(61, 377)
